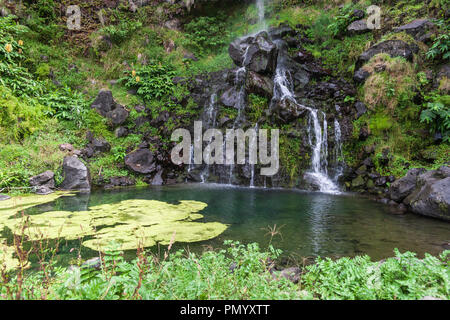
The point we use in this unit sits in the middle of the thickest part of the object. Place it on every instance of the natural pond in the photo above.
(307, 224)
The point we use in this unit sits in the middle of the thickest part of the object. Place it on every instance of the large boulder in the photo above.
(358, 27)
(108, 108)
(76, 175)
(141, 161)
(230, 97)
(258, 54)
(394, 48)
(259, 85)
(403, 187)
(433, 199)
(46, 178)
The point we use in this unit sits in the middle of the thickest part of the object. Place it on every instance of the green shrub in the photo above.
(19, 117)
(207, 34)
(118, 33)
(153, 81)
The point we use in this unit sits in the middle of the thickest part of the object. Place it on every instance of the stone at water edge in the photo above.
(76, 175)
(141, 161)
(45, 178)
(401, 188)
(4, 197)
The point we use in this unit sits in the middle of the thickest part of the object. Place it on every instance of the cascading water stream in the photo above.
(260, 5)
(283, 91)
(210, 116)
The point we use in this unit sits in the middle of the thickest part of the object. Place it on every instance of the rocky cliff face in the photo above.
(287, 82)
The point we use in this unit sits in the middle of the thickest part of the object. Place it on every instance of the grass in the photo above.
(236, 272)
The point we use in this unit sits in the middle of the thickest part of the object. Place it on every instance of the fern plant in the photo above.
(437, 115)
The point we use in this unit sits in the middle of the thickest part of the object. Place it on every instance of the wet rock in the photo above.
(401, 188)
(141, 161)
(358, 27)
(395, 48)
(4, 197)
(76, 175)
(157, 179)
(358, 182)
(258, 54)
(230, 97)
(120, 182)
(417, 28)
(381, 181)
(358, 14)
(288, 111)
(363, 134)
(43, 190)
(259, 85)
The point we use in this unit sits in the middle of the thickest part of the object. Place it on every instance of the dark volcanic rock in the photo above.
(361, 76)
(100, 145)
(360, 109)
(259, 84)
(104, 102)
(258, 54)
(76, 175)
(358, 27)
(46, 178)
(417, 29)
(230, 97)
(401, 188)
(395, 48)
(108, 108)
(118, 116)
(432, 199)
(121, 132)
(141, 161)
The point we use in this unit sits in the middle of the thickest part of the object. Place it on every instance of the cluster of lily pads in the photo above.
(130, 223)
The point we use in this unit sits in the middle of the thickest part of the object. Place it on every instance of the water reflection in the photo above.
(310, 223)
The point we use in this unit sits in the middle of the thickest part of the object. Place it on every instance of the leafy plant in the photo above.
(437, 115)
(207, 34)
(153, 81)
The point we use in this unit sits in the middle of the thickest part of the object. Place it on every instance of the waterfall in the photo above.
(210, 117)
(283, 91)
(338, 154)
(252, 166)
(261, 14)
(240, 77)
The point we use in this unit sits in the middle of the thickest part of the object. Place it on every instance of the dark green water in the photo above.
(310, 223)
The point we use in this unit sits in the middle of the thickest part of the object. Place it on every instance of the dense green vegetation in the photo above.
(50, 76)
(237, 272)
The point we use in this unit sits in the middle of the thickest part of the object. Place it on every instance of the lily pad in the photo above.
(131, 223)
